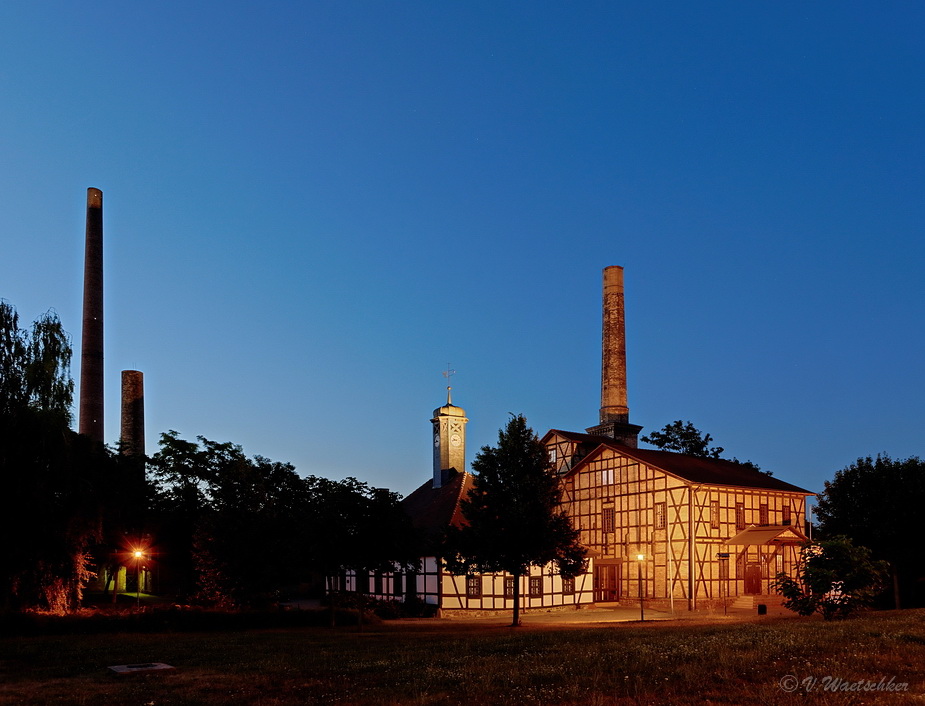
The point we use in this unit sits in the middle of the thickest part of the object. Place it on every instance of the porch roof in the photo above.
(768, 535)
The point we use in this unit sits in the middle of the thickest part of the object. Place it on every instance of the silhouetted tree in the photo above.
(685, 438)
(356, 527)
(55, 482)
(239, 530)
(876, 502)
(232, 528)
(833, 578)
(179, 471)
(513, 515)
(251, 544)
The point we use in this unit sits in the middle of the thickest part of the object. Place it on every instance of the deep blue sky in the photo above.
(312, 207)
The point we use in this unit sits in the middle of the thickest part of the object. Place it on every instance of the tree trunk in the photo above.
(516, 622)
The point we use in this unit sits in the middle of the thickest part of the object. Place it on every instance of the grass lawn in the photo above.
(434, 662)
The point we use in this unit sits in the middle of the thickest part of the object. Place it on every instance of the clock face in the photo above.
(455, 440)
(436, 438)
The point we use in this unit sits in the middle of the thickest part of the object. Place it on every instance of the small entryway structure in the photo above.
(763, 552)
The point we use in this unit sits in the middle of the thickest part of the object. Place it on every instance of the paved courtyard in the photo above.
(627, 612)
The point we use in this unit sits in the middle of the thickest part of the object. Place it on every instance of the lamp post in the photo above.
(642, 611)
(138, 557)
(723, 576)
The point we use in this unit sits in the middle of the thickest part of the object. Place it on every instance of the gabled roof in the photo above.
(768, 535)
(432, 510)
(713, 471)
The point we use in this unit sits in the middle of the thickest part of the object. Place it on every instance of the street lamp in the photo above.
(723, 576)
(642, 611)
(138, 557)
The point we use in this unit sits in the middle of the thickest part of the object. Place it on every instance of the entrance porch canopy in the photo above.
(769, 535)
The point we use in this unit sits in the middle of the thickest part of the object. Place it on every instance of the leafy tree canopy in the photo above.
(685, 438)
(834, 578)
(241, 529)
(876, 502)
(35, 365)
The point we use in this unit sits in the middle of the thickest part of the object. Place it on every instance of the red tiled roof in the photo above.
(714, 471)
(434, 509)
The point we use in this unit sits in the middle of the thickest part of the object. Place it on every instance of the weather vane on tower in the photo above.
(448, 373)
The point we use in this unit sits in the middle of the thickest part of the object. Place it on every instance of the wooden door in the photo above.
(606, 583)
(753, 579)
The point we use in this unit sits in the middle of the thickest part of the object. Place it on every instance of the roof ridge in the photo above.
(685, 466)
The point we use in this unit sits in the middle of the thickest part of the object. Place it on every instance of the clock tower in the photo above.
(449, 433)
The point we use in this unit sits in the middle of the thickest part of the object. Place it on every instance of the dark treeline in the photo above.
(215, 526)
(876, 502)
(57, 485)
(234, 531)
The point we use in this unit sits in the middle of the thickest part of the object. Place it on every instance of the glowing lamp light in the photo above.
(642, 611)
(139, 555)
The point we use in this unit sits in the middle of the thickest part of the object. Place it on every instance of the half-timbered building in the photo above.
(657, 525)
(669, 526)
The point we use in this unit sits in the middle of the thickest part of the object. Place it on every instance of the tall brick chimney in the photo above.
(91, 340)
(133, 413)
(615, 413)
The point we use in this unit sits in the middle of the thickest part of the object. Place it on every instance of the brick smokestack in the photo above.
(91, 343)
(614, 412)
(613, 349)
(133, 413)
